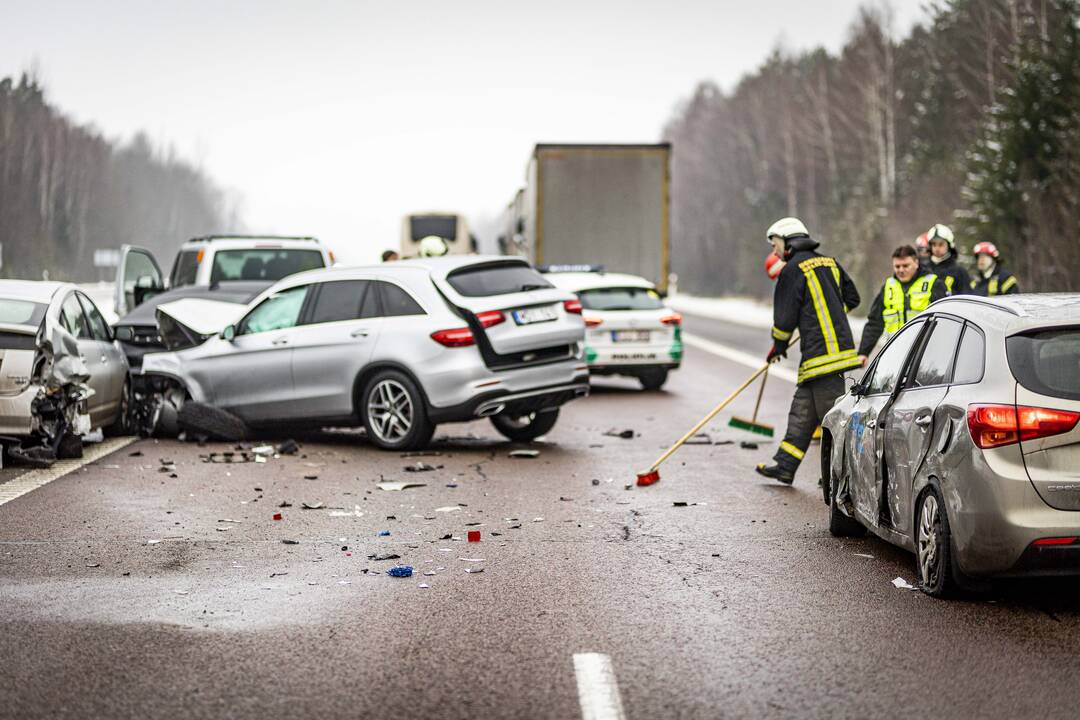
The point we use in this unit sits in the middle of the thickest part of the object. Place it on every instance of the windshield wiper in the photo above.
(532, 286)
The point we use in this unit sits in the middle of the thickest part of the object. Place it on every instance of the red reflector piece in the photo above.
(572, 306)
(673, 319)
(455, 337)
(593, 322)
(277, 516)
(996, 425)
(490, 317)
(1055, 541)
(474, 536)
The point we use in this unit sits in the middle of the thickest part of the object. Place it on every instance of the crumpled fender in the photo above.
(67, 366)
(171, 365)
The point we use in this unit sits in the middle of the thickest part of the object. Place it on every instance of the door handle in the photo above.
(280, 341)
(923, 421)
(360, 332)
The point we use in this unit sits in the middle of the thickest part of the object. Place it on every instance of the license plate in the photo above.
(621, 336)
(529, 316)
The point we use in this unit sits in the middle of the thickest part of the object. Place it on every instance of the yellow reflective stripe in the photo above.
(949, 280)
(993, 289)
(824, 319)
(836, 275)
(792, 450)
(1008, 284)
(779, 334)
(839, 365)
(823, 359)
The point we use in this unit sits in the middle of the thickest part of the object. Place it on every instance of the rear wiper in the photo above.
(532, 286)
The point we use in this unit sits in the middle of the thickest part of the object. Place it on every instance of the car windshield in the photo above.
(627, 298)
(263, 264)
(1047, 362)
(487, 280)
(21, 312)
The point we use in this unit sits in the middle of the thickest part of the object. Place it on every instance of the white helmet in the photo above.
(941, 232)
(433, 246)
(786, 228)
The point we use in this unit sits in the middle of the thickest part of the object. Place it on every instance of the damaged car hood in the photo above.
(238, 293)
(191, 321)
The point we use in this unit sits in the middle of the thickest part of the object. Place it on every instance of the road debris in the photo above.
(523, 453)
(902, 584)
(448, 508)
(474, 536)
(289, 447)
(311, 505)
(474, 570)
(864, 555)
(700, 439)
(277, 516)
(420, 467)
(397, 486)
(290, 542)
(379, 557)
(228, 457)
(423, 586)
(384, 533)
(400, 571)
(596, 481)
(627, 434)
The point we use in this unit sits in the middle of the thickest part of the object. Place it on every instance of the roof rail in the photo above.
(982, 301)
(212, 238)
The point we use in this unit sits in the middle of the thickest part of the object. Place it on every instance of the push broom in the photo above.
(652, 475)
(752, 425)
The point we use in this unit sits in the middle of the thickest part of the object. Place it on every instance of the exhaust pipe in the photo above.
(489, 410)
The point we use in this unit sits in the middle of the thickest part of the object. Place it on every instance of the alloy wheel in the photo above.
(928, 541)
(390, 410)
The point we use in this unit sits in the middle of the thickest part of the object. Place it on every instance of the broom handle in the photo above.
(715, 411)
(760, 393)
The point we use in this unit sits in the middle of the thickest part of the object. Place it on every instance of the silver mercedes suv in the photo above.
(961, 441)
(398, 347)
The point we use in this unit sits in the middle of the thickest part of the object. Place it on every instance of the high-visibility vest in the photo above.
(898, 307)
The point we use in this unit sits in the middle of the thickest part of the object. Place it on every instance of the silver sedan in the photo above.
(398, 348)
(961, 442)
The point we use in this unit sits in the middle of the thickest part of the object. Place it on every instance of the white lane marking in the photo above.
(598, 691)
(36, 478)
(737, 356)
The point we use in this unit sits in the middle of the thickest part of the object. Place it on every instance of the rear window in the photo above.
(21, 312)
(265, 264)
(185, 269)
(621, 299)
(488, 280)
(444, 226)
(1047, 362)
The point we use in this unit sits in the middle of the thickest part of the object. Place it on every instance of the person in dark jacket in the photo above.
(943, 260)
(903, 296)
(813, 295)
(991, 277)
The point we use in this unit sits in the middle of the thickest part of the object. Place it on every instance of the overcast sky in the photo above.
(336, 118)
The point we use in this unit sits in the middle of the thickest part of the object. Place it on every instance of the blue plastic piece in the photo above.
(384, 533)
(400, 571)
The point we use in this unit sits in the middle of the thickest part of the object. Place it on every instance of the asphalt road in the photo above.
(127, 592)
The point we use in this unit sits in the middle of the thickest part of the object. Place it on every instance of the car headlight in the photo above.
(125, 333)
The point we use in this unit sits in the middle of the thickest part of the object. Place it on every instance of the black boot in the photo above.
(776, 472)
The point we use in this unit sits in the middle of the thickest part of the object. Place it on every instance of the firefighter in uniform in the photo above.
(903, 296)
(943, 260)
(813, 295)
(992, 278)
(922, 246)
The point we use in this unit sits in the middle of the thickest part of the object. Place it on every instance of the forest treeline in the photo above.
(66, 190)
(972, 120)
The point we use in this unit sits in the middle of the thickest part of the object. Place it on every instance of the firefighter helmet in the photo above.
(787, 228)
(433, 246)
(986, 248)
(922, 242)
(773, 265)
(941, 232)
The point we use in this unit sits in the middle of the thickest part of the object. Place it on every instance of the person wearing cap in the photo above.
(907, 293)
(813, 295)
(943, 260)
(992, 278)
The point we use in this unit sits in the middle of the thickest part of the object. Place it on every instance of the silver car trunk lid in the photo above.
(1053, 463)
(18, 347)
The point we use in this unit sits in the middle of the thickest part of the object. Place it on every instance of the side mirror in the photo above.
(853, 386)
(228, 333)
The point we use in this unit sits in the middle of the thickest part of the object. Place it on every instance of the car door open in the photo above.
(138, 277)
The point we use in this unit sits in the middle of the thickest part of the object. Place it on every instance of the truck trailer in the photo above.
(594, 205)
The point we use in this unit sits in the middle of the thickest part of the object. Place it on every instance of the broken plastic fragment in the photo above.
(627, 434)
(424, 585)
(384, 533)
(385, 556)
(474, 570)
(902, 584)
(290, 542)
(474, 536)
(402, 571)
(448, 508)
(524, 453)
(419, 467)
(395, 486)
(312, 505)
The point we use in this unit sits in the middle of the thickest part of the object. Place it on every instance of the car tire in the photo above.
(70, 447)
(200, 419)
(933, 546)
(394, 412)
(525, 428)
(122, 424)
(653, 379)
(840, 525)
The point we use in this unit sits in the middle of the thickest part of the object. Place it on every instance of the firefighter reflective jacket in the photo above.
(954, 276)
(896, 304)
(1000, 282)
(814, 294)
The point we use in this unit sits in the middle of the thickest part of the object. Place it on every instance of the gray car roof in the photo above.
(1016, 313)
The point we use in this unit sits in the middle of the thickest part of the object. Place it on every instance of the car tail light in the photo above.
(455, 337)
(996, 425)
(490, 317)
(673, 319)
(1044, 542)
(593, 322)
(572, 306)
